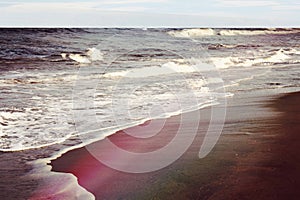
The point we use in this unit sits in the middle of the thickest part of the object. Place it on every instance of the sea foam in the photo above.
(55, 185)
(164, 69)
(201, 32)
(92, 55)
(256, 32)
(280, 56)
(187, 33)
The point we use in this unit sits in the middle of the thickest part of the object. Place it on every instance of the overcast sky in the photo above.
(151, 13)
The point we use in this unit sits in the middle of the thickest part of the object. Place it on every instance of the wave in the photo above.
(280, 56)
(49, 121)
(181, 66)
(9, 116)
(228, 46)
(292, 51)
(13, 139)
(165, 69)
(46, 121)
(90, 56)
(258, 32)
(43, 123)
(200, 32)
(187, 33)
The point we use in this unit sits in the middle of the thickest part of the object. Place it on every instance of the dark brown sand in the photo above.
(272, 170)
(257, 157)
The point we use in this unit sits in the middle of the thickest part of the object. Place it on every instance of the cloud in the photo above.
(285, 7)
(245, 3)
(272, 4)
(132, 1)
(99, 2)
(149, 13)
(79, 17)
(129, 9)
(32, 6)
(114, 5)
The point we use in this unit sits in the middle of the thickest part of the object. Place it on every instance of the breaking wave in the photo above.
(200, 32)
(164, 69)
(90, 56)
(187, 33)
(280, 56)
(258, 32)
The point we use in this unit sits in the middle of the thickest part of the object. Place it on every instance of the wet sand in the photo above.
(257, 157)
(272, 169)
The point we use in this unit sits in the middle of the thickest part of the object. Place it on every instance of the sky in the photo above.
(150, 13)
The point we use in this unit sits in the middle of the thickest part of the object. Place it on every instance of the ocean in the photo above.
(64, 88)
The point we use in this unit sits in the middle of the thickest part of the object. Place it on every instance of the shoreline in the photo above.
(238, 160)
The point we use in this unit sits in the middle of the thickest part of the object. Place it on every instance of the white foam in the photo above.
(200, 32)
(55, 185)
(43, 125)
(13, 116)
(291, 51)
(49, 120)
(225, 62)
(279, 56)
(187, 33)
(164, 69)
(256, 32)
(79, 58)
(92, 55)
(64, 55)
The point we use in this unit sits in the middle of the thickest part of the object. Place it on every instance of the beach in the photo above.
(156, 113)
(255, 158)
(150, 100)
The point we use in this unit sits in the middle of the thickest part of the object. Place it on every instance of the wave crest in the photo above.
(257, 32)
(280, 56)
(201, 32)
(90, 56)
(187, 33)
(165, 69)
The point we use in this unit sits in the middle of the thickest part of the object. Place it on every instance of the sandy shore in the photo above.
(271, 170)
(257, 157)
